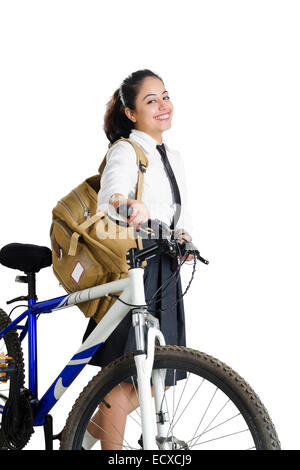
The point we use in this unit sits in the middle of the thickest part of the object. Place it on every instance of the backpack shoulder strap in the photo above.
(142, 164)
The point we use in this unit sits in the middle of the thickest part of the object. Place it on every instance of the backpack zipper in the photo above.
(86, 212)
(62, 203)
(64, 228)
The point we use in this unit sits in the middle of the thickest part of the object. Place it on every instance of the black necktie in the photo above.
(173, 182)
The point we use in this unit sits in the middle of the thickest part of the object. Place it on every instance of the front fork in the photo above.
(144, 360)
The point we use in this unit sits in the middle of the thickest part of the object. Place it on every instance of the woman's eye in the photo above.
(155, 100)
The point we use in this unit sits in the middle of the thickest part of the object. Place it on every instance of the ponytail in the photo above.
(116, 123)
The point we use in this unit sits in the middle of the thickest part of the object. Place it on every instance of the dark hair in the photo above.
(116, 123)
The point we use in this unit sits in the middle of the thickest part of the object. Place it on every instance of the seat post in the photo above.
(31, 288)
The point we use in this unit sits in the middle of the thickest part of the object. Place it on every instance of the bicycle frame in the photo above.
(132, 289)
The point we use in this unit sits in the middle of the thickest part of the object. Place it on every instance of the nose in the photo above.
(162, 105)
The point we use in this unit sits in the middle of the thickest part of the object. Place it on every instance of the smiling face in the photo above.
(153, 109)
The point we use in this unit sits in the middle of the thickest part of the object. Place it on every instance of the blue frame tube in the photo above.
(14, 323)
(32, 354)
(32, 349)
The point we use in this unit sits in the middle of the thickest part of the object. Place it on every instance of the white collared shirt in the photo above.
(121, 172)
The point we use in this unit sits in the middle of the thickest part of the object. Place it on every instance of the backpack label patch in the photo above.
(77, 272)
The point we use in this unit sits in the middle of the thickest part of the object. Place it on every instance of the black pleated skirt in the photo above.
(167, 306)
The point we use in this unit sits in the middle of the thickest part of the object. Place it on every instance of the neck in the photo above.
(155, 135)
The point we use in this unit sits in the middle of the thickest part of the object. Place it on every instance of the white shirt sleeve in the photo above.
(119, 175)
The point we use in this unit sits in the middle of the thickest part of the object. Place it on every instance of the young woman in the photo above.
(141, 110)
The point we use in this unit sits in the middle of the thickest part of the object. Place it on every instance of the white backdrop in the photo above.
(232, 71)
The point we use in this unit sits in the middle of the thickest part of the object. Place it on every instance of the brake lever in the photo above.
(191, 249)
(200, 258)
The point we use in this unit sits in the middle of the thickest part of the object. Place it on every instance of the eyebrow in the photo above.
(153, 94)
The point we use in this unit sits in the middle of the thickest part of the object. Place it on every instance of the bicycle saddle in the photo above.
(25, 257)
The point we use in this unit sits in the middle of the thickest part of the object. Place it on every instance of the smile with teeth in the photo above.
(162, 117)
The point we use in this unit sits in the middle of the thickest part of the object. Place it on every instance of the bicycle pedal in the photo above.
(6, 367)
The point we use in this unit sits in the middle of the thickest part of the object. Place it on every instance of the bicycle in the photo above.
(210, 405)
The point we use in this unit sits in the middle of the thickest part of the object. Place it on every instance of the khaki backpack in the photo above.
(88, 247)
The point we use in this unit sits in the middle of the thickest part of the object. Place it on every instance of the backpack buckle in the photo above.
(143, 167)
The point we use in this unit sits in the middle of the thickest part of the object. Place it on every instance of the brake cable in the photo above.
(165, 286)
(169, 280)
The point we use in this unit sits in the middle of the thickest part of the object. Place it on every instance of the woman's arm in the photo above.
(118, 183)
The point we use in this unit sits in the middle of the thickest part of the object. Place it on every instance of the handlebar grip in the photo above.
(205, 261)
(124, 210)
(190, 248)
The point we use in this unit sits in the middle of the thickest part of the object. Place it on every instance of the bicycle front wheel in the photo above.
(213, 408)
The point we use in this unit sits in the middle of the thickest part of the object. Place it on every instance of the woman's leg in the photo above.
(108, 423)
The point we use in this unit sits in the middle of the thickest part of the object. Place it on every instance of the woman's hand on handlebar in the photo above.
(139, 214)
(182, 236)
(135, 211)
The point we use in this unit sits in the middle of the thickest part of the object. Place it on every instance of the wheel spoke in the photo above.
(136, 393)
(115, 428)
(204, 414)
(213, 428)
(222, 437)
(189, 402)
(218, 413)
(113, 400)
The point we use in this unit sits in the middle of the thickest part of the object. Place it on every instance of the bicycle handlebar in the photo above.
(163, 235)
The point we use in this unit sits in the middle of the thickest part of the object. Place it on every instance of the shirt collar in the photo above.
(145, 140)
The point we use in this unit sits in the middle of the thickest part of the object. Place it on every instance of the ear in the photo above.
(130, 114)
